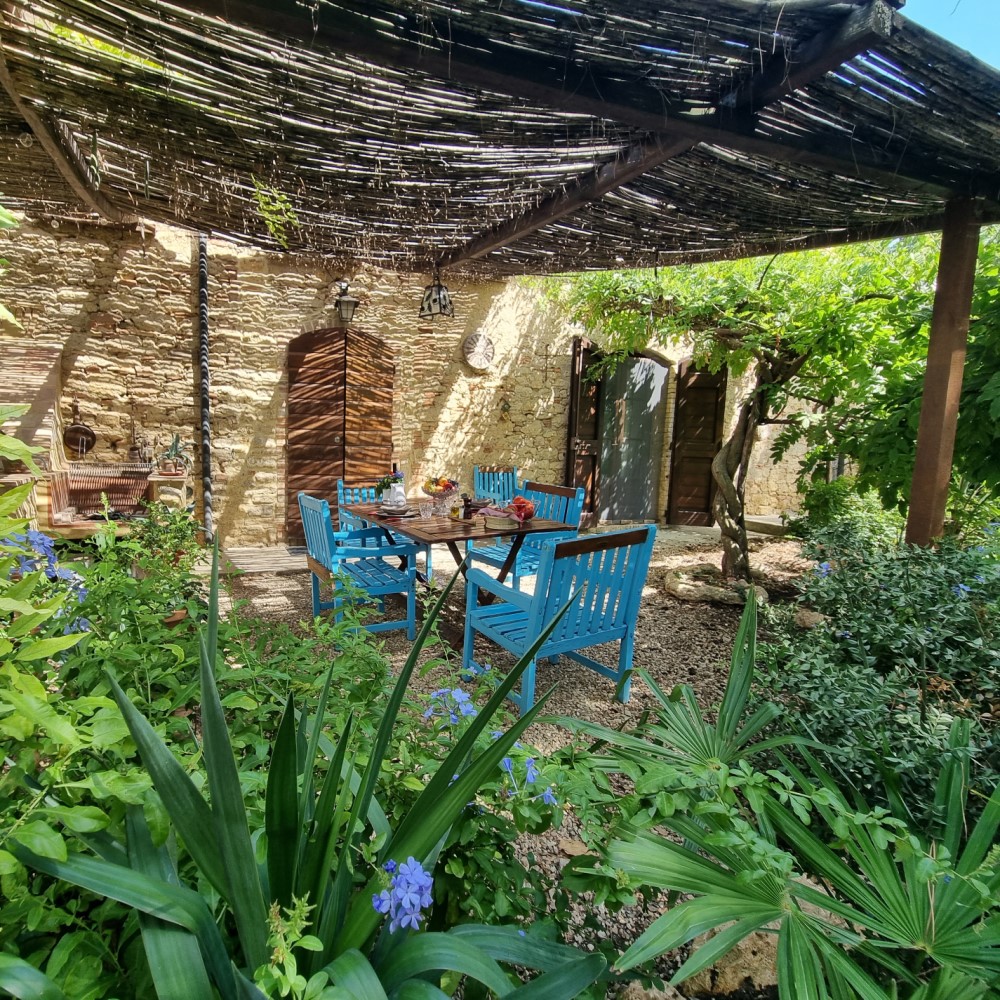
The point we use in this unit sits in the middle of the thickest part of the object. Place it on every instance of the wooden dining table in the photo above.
(442, 529)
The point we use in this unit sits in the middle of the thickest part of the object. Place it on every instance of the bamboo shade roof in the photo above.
(501, 137)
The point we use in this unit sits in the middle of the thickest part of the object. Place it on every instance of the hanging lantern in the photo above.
(345, 305)
(436, 300)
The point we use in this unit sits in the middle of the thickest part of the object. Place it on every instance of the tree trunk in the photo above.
(729, 469)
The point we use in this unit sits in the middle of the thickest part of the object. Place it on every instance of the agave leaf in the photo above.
(430, 951)
(282, 818)
(321, 839)
(444, 798)
(462, 751)
(175, 962)
(391, 711)
(187, 809)
(734, 700)
(419, 989)
(563, 982)
(229, 816)
(352, 971)
(11, 499)
(173, 903)
(25, 982)
(316, 732)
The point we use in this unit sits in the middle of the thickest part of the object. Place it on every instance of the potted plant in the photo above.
(176, 458)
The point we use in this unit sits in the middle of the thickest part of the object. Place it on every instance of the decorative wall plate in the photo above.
(478, 350)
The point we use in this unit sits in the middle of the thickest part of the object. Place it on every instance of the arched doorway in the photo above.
(616, 436)
(339, 421)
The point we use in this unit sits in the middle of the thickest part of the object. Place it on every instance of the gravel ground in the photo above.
(676, 642)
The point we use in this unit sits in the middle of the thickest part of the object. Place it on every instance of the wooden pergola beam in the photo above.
(863, 28)
(66, 155)
(485, 63)
(945, 368)
(637, 160)
(782, 74)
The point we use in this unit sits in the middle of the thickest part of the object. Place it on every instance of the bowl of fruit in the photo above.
(440, 487)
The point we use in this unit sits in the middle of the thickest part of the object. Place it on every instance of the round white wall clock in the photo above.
(478, 350)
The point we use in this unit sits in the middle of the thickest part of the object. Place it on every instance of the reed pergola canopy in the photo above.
(503, 138)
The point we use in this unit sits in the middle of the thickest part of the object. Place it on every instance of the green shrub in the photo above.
(839, 509)
(930, 613)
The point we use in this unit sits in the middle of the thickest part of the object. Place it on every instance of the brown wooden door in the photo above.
(583, 445)
(698, 426)
(339, 416)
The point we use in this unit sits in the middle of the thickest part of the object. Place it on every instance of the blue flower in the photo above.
(25, 564)
(409, 892)
(531, 775)
(41, 543)
(390, 866)
(452, 703)
(77, 625)
(961, 589)
(824, 569)
(549, 797)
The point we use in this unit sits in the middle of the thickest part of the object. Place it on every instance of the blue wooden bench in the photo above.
(361, 557)
(603, 574)
(497, 483)
(560, 503)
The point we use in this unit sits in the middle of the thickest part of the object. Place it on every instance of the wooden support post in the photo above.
(943, 378)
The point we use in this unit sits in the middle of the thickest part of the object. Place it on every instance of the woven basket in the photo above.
(501, 522)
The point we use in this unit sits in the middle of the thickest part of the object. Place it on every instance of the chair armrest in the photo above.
(500, 590)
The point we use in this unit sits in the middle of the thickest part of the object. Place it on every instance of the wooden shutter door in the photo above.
(583, 444)
(339, 416)
(698, 426)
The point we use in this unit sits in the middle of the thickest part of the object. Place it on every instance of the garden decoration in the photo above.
(322, 838)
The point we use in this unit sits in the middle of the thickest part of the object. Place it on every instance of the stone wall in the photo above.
(122, 307)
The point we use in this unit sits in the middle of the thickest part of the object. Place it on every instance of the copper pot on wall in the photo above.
(78, 438)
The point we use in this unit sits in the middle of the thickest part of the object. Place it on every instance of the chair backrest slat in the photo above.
(557, 503)
(352, 494)
(606, 572)
(495, 482)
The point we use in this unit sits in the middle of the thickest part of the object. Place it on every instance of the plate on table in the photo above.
(406, 511)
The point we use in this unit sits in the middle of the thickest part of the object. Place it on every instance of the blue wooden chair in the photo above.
(497, 483)
(361, 557)
(352, 494)
(348, 521)
(558, 503)
(602, 574)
